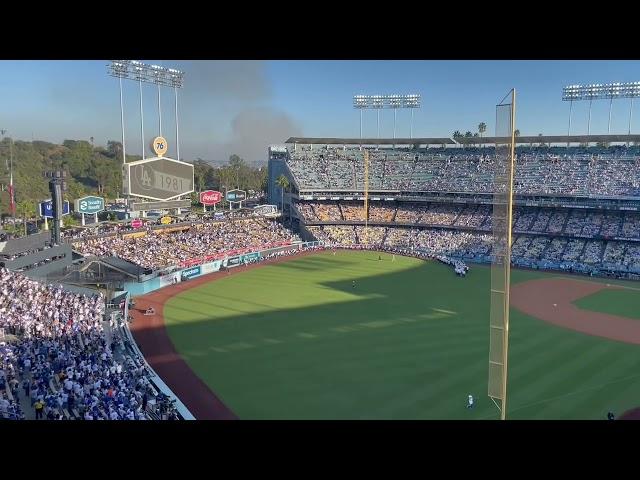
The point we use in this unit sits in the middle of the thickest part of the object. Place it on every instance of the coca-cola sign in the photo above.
(210, 197)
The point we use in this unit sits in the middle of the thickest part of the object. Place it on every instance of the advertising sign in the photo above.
(170, 279)
(137, 223)
(190, 273)
(236, 196)
(211, 267)
(267, 210)
(232, 262)
(146, 206)
(210, 197)
(250, 257)
(46, 208)
(166, 220)
(89, 205)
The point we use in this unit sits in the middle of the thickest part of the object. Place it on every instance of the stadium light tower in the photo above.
(601, 91)
(154, 74)
(378, 102)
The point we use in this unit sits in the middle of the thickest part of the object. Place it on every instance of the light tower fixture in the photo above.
(601, 91)
(153, 74)
(378, 102)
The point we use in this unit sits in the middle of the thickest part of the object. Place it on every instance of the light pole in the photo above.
(143, 73)
(153, 74)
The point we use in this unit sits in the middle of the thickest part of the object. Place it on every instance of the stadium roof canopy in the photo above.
(465, 140)
(554, 139)
(24, 244)
(371, 141)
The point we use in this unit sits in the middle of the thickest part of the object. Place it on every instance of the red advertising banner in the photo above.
(210, 197)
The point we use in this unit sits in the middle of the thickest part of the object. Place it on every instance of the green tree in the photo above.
(482, 127)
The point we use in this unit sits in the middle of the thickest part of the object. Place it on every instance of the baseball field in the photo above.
(348, 336)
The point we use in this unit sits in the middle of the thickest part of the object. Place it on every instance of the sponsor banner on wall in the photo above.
(250, 257)
(190, 273)
(211, 267)
(233, 261)
(170, 279)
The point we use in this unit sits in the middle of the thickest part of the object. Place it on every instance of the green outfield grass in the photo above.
(296, 340)
(625, 303)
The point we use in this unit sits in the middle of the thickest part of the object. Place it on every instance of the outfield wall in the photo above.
(185, 274)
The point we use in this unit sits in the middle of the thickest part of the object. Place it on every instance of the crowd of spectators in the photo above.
(162, 248)
(538, 171)
(554, 221)
(478, 245)
(62, 360)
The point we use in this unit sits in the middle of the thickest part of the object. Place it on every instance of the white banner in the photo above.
(211, 267)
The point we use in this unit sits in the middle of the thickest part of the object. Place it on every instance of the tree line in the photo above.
(97, 170)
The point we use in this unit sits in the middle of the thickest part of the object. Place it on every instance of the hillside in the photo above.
(97, 170)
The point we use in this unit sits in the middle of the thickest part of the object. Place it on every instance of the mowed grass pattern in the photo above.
(295, 340)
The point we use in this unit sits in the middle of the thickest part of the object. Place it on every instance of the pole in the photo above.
(95, 217)
(569, 129)
(366, 197)
(589, 124)
(124, 156)
(159, 113)
(175, 90)
(411, 125)
(82, 219)
(378, 124)
(360, 128)
(46, 224)
(609, 126)
(12, 192)
(141, 118)
(394, 123)
(630, 117)
(503, 410)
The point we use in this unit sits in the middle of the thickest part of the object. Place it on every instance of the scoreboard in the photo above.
(158, 178)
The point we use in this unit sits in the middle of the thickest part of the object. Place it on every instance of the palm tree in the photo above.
(283, 183)
(91, 138)
(517, 133)
(482, 128)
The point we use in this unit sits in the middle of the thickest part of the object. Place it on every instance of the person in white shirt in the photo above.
(470, 402)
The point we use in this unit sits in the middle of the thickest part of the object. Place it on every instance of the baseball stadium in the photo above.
(361, 286)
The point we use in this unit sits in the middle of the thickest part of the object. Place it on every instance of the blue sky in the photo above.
(241, 107)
